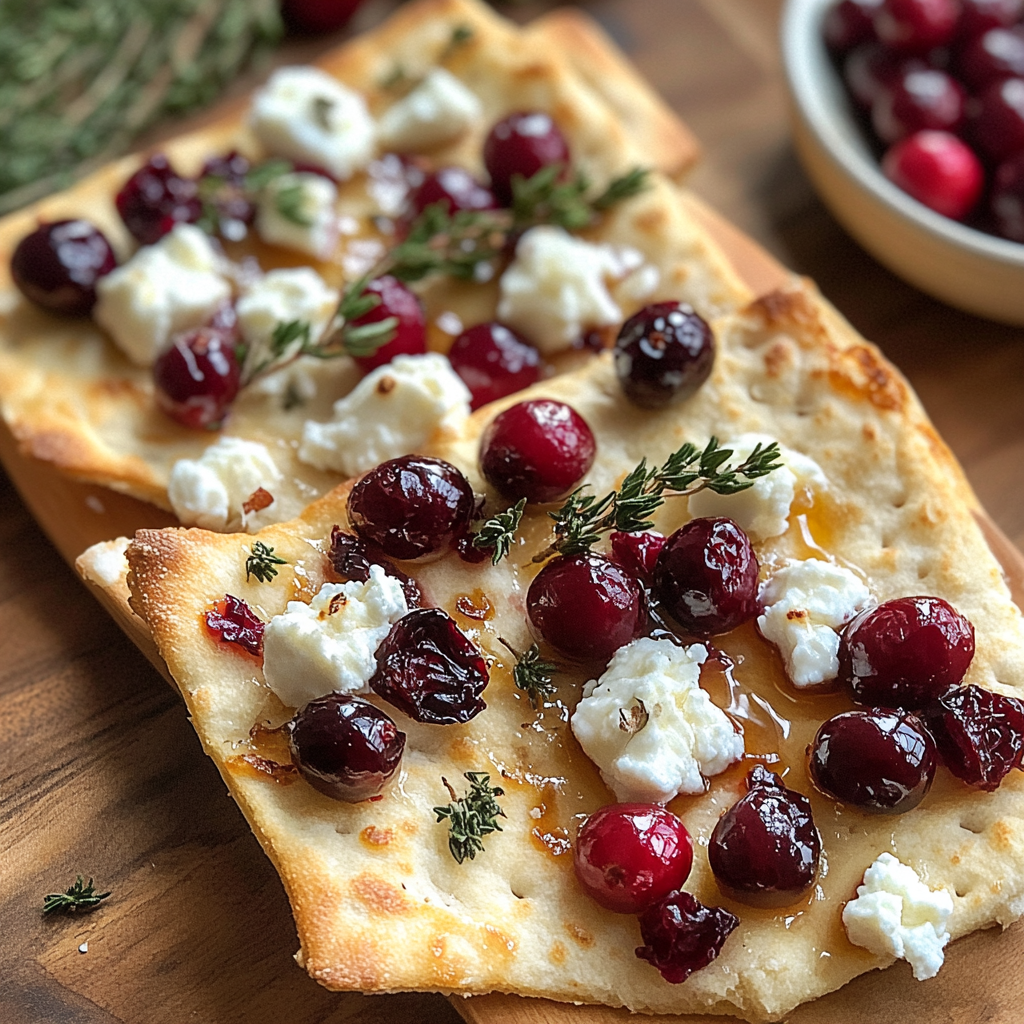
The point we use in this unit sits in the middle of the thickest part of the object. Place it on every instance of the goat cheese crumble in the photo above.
(280, 296)
(298, 211)
(438, 111)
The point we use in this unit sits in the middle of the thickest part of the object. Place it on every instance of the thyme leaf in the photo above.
(532, 674)
(471, 817)
(80, 897)
(498, 532)
(261, 563)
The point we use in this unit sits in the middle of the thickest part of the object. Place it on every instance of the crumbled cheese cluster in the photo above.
(299, 211)
(438, 111)
(294, 293)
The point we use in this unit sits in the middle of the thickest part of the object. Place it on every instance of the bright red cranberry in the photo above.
(706, 576)
(314, 16)
(538, 450)
(586, 606)
(234, 622)
(848, 23)
(937, 169)
(345, 746)
(197, 378)
(522, 144)
(916, 26)
(455, 188)
(638, 552)
(628, 856)
(351, 558)
(494, 361)
(870, 68)
(663, 354)
(977, 16)
(918, 100)
(681, 935)
(905, 653)
(411, 506)
(222, 184)
(57, 265)
(1006, 201)
(980, 734)
(396, 300)
(155, 198)
(765, 849)
(994, 55)
(998, 125)
(428, 668)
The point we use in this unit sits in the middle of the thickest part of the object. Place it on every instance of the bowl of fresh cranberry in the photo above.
(908, 116)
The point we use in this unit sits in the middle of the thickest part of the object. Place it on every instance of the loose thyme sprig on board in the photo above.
(497, 533)
(471, 817)
(261, 563)
(77, 898)
(532, 674)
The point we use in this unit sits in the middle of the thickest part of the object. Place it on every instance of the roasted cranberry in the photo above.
(469, 552)
(1006, 202)
(197, 378)
(994, 55)
(977, 16)
(352, 557)
(877, 759)
(318, 15)
(663, 353)
(494, 361)
(345, 746)
(918, 100)
(848, 23)
(155, 198)
(706, 576)
(765, 848)
(998, 125)
(906, 652)
(234, 622)
(628, 856)
(979, 734)
(428, 668)
(412, 506)
(223, 185)
(638, 552)
(937, 169)
(586, 606)
(537, 450)
(57, 265)
(870, 68)
(522, 144)
(397, 301)
(455, 188)
(916, 25)
(681, 935)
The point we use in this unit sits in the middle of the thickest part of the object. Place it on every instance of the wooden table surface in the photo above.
(102, 775)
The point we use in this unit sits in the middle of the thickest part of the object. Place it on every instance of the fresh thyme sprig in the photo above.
(547, 198)
(471, 817)
(75, 899)
(261, 563)
(497, 533)
(532, 674)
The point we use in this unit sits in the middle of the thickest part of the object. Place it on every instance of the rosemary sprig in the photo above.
(532, 674)
(261, 563)
(471, 817)
(76, 898)
(498, 532)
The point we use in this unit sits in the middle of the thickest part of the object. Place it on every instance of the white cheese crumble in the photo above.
(328, 645)
(438, 111)
(806, 603)
(650, 728)
(304, 114)
(105, 563)
(896, 914)
(298, 211)
(393, 411)
(211, 490)
(761, 511)
(294, 293)
(164, 288)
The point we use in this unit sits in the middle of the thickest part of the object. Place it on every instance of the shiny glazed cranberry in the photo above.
(57, 265)
(638, 552)
(870, 68)
(977, 16)
(234, 622)
(848, 23)
(979, 734)
(681, 935)
(345, 746)
(1006, 202)
(918, 100)
(765, 849)
(314, 16)
(998, 126)
(586, 606)
(937, 169)
(994, 55)
(628, 856)
(494, 361)
(396, 300)
(411, 506)
(706, 576)
(537, 450)
(905, 653)
(155, 198)
(663, 353)
(351, 558)
(198, 378)
(522, 143)
(916, 25)
(455, 188)
(879, 760)
(428, 668)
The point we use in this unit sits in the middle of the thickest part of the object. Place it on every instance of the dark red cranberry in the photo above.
(937, 169)
(197, 378)
(315, 16)
(494, 361)
(638, 552)
(977, 16)
(234, 622)
(411, 506)
(994, 55)
(455, 188)
(879, 760)
(396, 300)
(918, 100)
(681, 935)
(469, 552)
(223, 186)
(155, 198)
(870, 68)
(998, 125)
(345, 746)
(538, 450)
(905, 653)
(765, 849)
(663, 354)
(352, 557)
(706, 576)
(522, 144)
(1006, 202)
(428, 668)
(586, 606)
(848, 23)
(628, 856)
(979, 734)
(916, 26)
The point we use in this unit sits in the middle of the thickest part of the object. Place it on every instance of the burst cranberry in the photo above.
(223, 184)
(494, 361)
(234, 622)
(848, 23)
(681, 935)
(1006, 202)
(197, 378)
(998, 125)
(980, 734)
(428, 668)
(155, 198)
(628, 856)
(345, 746)
(977, 16)
(994, 55)
(57, 265)
(455, 188)
(918, 100)
(870, 68)
(916, 26)
(906, 652)
(396, 300)
(522, 144)
(318, 15)
(638, 552)
(586, 606)
(538, 450)
(352, 557)
(879, 760)
(937, 169)
(411, 506)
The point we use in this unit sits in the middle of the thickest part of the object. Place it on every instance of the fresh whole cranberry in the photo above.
(998, 125)
(455, 188)
(870, 68)
(628, 856)
(906, 652)
(681, 935)
(232, 621)
(848, 23)
(314, 16)
(222, 182)
(1006, 202)
(57, 265)
(937, 169)
(977, 16)
(155, 198)
(920, 99)
(522, 144)
(493, 361)
(351, 558)
(638, 552)
(916, 26)
(586, 606)
(411, 506)
(198, 378)
(429, 669)
(345, 747)
(396, 300)
(994, 55)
